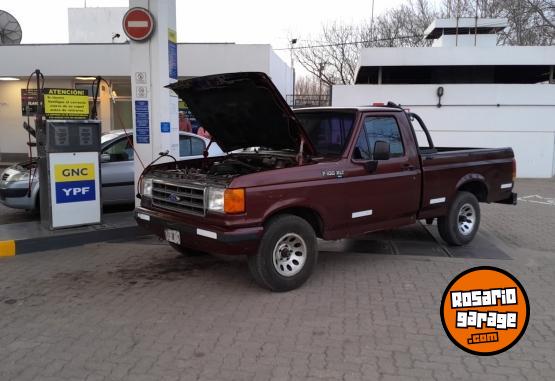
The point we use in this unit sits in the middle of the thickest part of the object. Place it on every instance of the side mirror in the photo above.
(381, 150)
(105, 158)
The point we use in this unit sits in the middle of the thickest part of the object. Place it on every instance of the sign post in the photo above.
(151, 26)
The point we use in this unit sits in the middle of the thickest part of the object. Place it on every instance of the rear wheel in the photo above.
(287, 254)
(186, 251)
(462, 221)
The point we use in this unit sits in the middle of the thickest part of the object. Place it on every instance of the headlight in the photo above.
(22, 176)
(216, 199)
(146, 187)
(230, 201)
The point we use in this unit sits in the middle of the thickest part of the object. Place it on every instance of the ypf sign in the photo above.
(138, 24)
(74, 188)
(74, 182)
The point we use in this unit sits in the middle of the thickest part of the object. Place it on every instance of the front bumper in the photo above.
(203, 238)
(16, 198)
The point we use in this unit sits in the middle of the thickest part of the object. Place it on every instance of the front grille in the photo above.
(181, 198)
(5, 176)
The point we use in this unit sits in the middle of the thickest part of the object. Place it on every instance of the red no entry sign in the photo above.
(138, 24)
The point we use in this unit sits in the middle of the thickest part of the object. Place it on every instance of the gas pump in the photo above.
(70, 173)
(68, 150)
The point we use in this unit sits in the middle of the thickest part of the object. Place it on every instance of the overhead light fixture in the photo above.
(85, 78)
(9, 79)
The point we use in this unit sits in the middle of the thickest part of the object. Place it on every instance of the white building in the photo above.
(493, 96)
(91, 52)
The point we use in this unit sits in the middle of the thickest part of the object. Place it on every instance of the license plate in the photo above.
(173, 236)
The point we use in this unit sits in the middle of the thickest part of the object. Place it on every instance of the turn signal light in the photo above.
(234, 200)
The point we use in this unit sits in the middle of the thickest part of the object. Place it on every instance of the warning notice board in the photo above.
(66, 103)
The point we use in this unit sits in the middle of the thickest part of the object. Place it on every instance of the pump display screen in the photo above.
(73, 136)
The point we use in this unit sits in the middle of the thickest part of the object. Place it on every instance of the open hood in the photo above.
(243, 110)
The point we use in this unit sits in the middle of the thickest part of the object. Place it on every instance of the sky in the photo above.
(240, 21)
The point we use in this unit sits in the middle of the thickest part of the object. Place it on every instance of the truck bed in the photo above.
(446, 169)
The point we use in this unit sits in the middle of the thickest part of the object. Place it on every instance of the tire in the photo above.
(186, 251)
(276, 265)
(462, 221)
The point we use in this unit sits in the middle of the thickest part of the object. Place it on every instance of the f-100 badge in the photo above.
(333, 173)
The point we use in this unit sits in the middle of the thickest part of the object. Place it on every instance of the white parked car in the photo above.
(116, 170)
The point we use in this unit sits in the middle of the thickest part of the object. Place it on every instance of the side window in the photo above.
(197, 146)
(362, 152)
(184, 145)
(384, 128)
(121, 150)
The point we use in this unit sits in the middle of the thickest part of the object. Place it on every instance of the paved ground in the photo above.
(139, 311)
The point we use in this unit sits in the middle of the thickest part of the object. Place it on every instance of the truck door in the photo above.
(388, 196)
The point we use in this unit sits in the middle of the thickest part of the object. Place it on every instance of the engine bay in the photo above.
(227, 167)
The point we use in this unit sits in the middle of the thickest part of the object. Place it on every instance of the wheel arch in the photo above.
(475, 184)
(308, 214)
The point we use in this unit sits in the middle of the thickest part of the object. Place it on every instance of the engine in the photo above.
(228, 167)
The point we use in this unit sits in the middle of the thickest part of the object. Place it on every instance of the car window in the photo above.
(362, 151)
(190, 146)
(184, 145)
(197, 146)
(120, 150)
(379, 128)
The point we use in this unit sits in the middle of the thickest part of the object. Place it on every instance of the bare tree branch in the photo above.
(332, 57)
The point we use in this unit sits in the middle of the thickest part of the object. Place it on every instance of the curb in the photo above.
(7, 248)
(10, 248)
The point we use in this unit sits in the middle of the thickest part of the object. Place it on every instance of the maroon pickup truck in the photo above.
(292, 176)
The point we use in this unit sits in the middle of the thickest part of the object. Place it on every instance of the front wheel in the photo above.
(287, 254)
(462, 221)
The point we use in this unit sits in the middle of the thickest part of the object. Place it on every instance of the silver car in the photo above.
(116, 171)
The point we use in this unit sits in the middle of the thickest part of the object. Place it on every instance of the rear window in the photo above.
(328, 131)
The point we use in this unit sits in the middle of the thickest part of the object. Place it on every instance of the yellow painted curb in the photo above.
(7, 248)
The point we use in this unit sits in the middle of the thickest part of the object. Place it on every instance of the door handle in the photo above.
(408, 167)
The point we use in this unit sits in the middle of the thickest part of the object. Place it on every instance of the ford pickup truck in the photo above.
(290, 177)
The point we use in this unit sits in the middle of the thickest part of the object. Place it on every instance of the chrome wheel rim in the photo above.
(466, 219)
(289, 254)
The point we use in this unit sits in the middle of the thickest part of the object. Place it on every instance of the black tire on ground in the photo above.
(186, 251)
(462, 221)
(287, 254)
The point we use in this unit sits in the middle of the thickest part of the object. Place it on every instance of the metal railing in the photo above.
(308, 100)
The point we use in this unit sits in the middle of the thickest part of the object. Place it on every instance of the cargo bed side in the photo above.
(485, 172)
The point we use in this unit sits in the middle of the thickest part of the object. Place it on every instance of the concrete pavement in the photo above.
(140, 311)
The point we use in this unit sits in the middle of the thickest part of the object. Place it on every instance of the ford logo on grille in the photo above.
(174, 198)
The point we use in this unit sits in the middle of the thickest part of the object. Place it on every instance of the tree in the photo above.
(531, 22)
(332, 56)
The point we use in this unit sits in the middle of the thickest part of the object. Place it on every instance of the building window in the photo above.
(415, 75)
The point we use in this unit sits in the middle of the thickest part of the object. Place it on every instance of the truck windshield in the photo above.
(329, 132)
